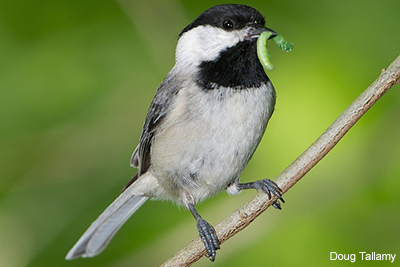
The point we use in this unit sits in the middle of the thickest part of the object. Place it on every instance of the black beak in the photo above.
(256, 30)
(271, 31)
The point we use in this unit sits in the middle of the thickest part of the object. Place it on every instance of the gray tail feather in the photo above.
(102, 230)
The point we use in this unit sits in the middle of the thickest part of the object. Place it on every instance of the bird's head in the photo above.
(218, 29)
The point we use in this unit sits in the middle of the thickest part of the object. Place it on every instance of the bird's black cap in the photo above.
(240, 15)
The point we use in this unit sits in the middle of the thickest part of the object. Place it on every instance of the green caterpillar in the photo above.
(262, 51)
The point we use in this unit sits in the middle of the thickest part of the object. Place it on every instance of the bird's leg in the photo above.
(207, 233)
(267, 186)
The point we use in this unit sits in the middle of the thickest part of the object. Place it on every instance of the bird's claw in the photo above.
(270, 187)
(209, 238)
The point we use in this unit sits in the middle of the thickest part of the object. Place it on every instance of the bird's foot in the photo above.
(267, 186)
(209, 238)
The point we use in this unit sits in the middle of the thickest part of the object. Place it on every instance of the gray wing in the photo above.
(159, 108)
(99, 234)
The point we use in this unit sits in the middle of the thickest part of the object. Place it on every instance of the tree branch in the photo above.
(243, 216)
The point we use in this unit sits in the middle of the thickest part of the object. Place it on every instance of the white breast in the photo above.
(209, 138)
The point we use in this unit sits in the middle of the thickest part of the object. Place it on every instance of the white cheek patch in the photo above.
(204, 43)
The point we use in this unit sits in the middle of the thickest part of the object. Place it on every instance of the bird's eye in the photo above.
(228, 24)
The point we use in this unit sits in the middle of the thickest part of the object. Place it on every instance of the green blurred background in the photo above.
(77, 77)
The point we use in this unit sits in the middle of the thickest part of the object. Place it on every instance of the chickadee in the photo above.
(203, 125)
